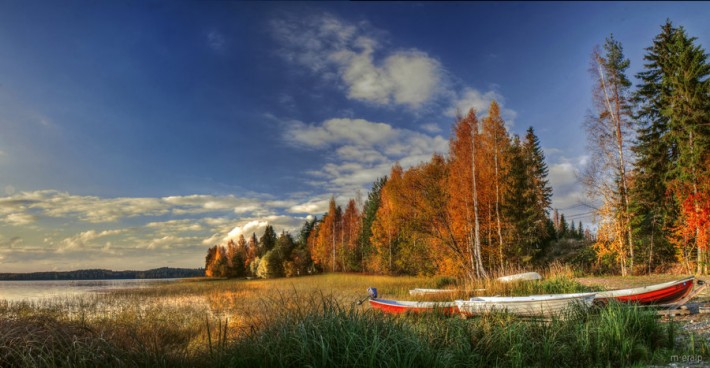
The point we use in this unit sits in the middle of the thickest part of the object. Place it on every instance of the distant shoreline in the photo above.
(103, 274)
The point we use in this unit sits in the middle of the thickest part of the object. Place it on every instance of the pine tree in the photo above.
(653, 208)
(538, 194)
(268, 240)
(564, 227)
(688, 111)
(369, 214)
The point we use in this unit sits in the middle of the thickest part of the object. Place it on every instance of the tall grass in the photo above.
(332, 335)
(312, 321)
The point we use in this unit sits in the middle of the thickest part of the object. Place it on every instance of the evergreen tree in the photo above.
(653, 207)
(564, 227)
(538, 194)
(688, 111)
(306, 231)
(268, 240)
(369, 214)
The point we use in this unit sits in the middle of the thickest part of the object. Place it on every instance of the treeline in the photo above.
(267, 257)
(483, 207)
(651, 155)
(100, 274)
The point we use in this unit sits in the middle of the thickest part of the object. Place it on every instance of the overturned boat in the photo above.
(525, 276)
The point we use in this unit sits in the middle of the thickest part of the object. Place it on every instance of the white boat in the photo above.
(420, 291)
(527, 306)
(526, 276)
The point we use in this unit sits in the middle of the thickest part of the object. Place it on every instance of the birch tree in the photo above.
(608, 133)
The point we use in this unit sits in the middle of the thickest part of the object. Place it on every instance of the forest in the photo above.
(485, 206)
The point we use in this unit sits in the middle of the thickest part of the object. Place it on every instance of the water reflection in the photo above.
(38, 290)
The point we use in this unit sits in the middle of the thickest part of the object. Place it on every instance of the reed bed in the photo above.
(313, 321)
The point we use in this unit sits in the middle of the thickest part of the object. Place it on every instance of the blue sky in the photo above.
(135, 135)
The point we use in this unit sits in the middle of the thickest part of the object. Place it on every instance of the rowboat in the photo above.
(659, 294)
(398, 307)
(526, 306)
(526, 276)
(420, 291)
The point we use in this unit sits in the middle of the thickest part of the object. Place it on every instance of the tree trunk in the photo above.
(497, 181)
(480, 272)
(616, 119)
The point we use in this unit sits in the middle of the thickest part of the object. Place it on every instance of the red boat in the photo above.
(659, 294)
(397, 307)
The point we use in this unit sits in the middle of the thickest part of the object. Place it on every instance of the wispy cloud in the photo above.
(216, 40)
(364, 150)
(352, 54)
(22, 208)
(471, 98)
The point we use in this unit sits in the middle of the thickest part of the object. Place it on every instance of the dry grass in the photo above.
(218, 322)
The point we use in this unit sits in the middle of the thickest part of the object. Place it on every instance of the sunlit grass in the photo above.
(314, 321)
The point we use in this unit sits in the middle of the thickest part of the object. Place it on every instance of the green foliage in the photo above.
(324, 334)
(529, 196)
(267, 241)
(369, 214)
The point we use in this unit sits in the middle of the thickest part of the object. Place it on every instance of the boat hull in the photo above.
(532, 306)
(665, 293)
(399, 307)
(527, 276)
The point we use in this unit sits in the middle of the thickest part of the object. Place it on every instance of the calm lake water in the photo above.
(36, 290)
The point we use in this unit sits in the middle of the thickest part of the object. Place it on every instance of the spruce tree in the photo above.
(369, 213)
(268, 240)
(654, 209)
(538, 192)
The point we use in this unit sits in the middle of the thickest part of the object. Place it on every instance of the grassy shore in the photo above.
(313, 321)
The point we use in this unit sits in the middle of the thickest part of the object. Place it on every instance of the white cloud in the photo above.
(20, 219)
(248, 226)
(480, 101)
(93, 209)
(568, 191)
(364, 151)
(313, 206)
(86, 239)
(431, 127)
(335, 49)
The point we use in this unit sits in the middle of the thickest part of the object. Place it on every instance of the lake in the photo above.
(36, 290)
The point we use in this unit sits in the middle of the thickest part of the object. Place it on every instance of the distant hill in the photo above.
(98, 274)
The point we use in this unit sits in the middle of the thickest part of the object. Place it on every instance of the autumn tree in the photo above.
(608, 132)
(326, 238)
(385, 228)
(252, 254)
(352, 221)
(497, 143)
(463, 191)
